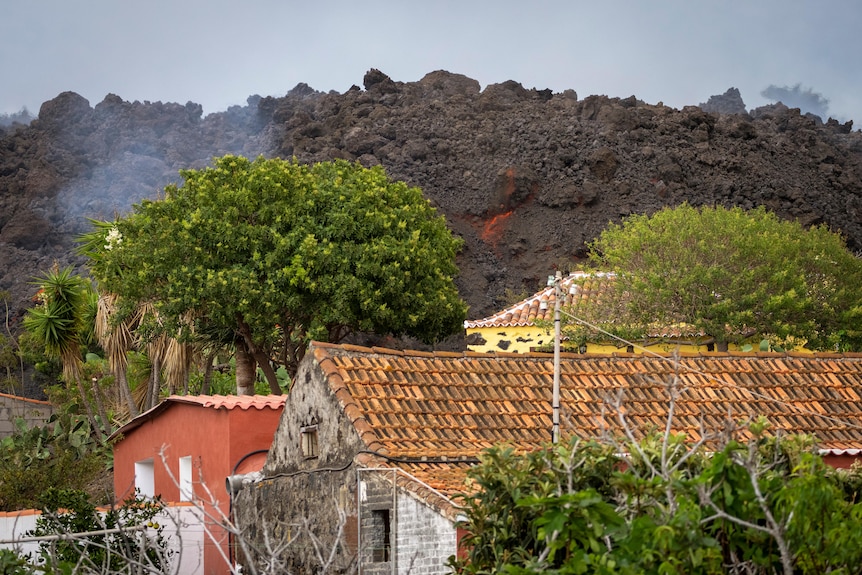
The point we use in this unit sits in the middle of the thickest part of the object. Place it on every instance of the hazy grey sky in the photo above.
(218, 52)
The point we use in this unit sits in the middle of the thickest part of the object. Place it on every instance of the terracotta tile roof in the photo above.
(437, 484)
(577, 288)
(244, 402)
(432, 413)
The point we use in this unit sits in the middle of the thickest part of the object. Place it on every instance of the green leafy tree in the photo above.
(734, 275)
(281, 253)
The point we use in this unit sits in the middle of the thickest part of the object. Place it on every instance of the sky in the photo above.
(217, 52)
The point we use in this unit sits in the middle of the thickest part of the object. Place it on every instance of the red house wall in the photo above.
(216, 439)
(840, 461)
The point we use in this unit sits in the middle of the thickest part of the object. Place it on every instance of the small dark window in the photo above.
(309, 441)
(380, 536)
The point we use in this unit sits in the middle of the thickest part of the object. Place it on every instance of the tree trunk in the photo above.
(245, 370)
(154, 384)
(271, 377)
(100, 405)
(126, 392)
(721, 346)
(259, 356)
(208, 372)
(86, 401)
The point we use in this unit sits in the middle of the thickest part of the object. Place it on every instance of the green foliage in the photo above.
(62, 453)
(512, 492)
(66, 511)
(661, 506)
(61, 314)
(13, 564)
(292, 252)
(33, 353)
(735, 275)
(62, 324)
(8, 357)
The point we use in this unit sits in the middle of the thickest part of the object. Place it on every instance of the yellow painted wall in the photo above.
(523, 339)
(510, 339)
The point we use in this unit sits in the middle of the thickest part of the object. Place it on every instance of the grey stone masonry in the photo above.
(398, 533)
(425, 539)
(378, 522)
(32, 411)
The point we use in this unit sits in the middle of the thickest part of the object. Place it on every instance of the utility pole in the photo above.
(555, 402)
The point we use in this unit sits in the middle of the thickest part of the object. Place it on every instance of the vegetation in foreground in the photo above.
(663, 505)
(77, 537)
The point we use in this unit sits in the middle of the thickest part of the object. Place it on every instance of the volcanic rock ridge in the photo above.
(526, 177)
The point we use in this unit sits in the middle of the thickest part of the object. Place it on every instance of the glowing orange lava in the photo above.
(493, 229)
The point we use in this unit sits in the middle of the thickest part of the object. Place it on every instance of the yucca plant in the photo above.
(59, 322)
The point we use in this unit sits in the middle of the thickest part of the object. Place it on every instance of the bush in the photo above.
(128, 549)
(62, 454)
(662, 505)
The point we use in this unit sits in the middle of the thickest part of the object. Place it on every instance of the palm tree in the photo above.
(116, 339)
(87, 334)
(178, 361)
(169, 355)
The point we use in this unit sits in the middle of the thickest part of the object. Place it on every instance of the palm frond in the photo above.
(177, 363)
(115, 339)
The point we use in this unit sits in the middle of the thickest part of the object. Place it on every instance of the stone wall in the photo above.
(286, 521)
(308, 505)
(378, 522)
(304, 503)
(425, 538)
(32, 411)
(397, 527)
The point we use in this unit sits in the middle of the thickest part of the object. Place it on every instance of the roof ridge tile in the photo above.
(387, 350)
(355, 348)
(453, 354)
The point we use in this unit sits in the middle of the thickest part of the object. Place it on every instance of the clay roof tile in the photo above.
(456, 404)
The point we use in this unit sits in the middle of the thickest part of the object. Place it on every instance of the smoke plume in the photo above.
(805, 99)
(23, 116)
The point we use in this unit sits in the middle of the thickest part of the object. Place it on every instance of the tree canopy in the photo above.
(282, 252)
(734, 275)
